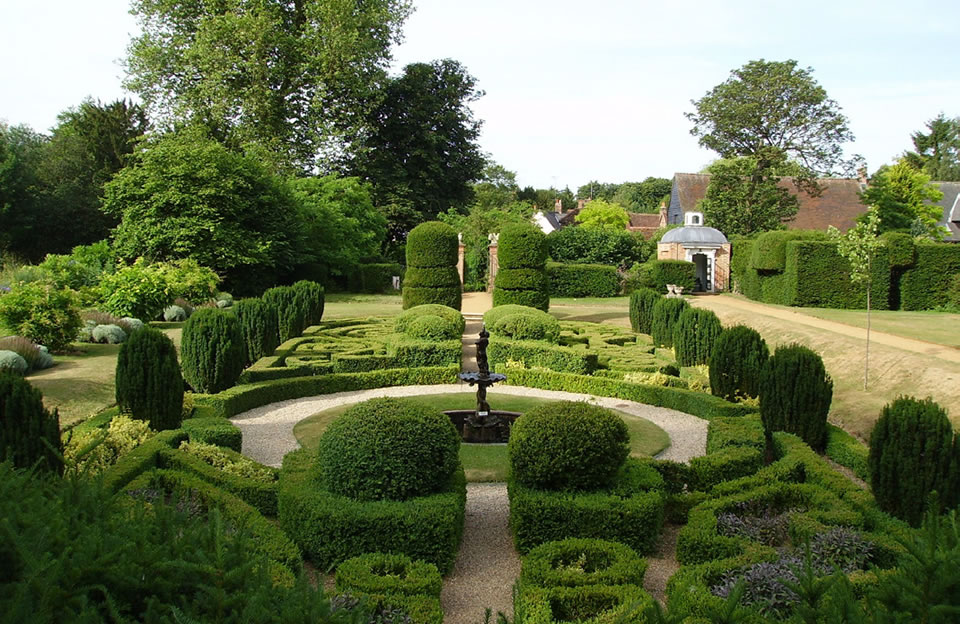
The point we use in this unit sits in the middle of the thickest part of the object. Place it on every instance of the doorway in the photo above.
(703, 273)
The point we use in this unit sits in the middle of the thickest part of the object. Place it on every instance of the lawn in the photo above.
(345, 305)
(488, 462)
(936, 327)
(611, 310)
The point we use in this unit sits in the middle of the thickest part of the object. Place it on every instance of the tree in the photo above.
(421, 153)
(293, 78)
(546, 199)
(597, 190)
(859, 247)
(643, 196)
(739, 200)
(903, 197)
(938, 151)
(601, 215)
(21, 211)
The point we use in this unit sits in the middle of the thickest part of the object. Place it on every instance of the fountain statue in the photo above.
(482, 424)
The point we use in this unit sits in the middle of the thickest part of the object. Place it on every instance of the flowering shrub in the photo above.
(42, 313)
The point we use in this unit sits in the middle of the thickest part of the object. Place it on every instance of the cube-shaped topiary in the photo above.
(148, 379)
(737, 358)
(795, 395)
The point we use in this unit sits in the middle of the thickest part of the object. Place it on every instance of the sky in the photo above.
(574, 91)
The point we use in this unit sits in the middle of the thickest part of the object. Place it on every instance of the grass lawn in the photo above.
(345, 305)
(611, 310)
(936, 327)
(488, 462)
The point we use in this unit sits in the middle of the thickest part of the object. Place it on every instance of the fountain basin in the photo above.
(490, 428)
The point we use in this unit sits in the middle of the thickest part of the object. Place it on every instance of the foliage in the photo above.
(926, 284)
(642, 302)
(236, 465)
(938, 151)
(83, 268)
(643, 196)
(91, 451)
(590, 604)
(11, 361)
(524, 326)
(694, 336)
(596, 246)
(431, 276)
(139, 290)
(666, 313)
(795, 395)
(310, 298)
(212, 350)
(901, 196)
(598, 214)
(574, 562)
(913, 451)
(259, 328)
(108, 334)
(29, 434)
(290, 315)
(663, 272)
(186, 279)
(213, 430)
(739, 204)
(44, 314)
(148, 381)
(380, 573)
(583, 280)
(567, 446)
(37, 358)
(736, 362)
(432, 244)
(21, 209)
(448, 314)
(374, 277)
(174, 314)
(386, 449)
(770, 250)
(522, 247)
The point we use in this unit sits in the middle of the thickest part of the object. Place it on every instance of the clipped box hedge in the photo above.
(432, 277)
(817, 276)
(924, 286)
(141, 459)
(388, 573)
(537, 353)
(583, 280)
(214, 430)
(588, 604)
(331, 529)
(579, 561)
(847, 451)
(729, 463)
(769, 251)
(421, 609)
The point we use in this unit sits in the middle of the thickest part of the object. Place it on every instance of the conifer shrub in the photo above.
(310, 296)
(736, 363)
(259, 328)
(522, 276)
(431, 275)
(694, 335)
(567, 446)
(291, 319)
(385, 449)
(642, 301)
(913, 451)
(666, 312)
(29, 434)
(795, 395)
(148, 381)
(212, 350)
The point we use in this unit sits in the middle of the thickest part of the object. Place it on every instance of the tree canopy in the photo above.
(741, 200)
(602, 215)
(904, 199)
(938, 150)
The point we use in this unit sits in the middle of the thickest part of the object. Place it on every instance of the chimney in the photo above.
(862, 176)
(558, 206)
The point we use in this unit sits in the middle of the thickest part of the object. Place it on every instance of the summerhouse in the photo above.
(705, 247)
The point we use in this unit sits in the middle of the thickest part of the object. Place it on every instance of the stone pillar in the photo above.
(494, 263)
(460, 254)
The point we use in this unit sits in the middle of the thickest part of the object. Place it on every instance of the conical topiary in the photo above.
(736, 363)
(211, 350)
(29, 434)
(642, 301)
(259, 327)
(666, 312)
(149, 385)
(694, 335)
(795, 395)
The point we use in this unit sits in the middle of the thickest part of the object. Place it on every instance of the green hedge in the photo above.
(666, 313)
(679, 272)
(433, 277)
(743, 277)
(522, 246)
(769, 251)
(694, 335)
(421, 609)
(531, 298)
(901, 248)
(527, 327)
(214, 430)
(331, 529)
(724, 465)
(449, 296)
(589, 604)
(522, 279)
(387, 573)
(926, 284)
(642, 302)
(432, 244)
(739, 431)
(374, 277)
(583, 280)
(817, 276)
(629, 512)
(537, 353)
(578, 561)
(452, 315)
(140, 459)
(847, 451)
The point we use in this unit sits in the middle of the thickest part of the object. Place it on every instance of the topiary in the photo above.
(522, 275)
(310, 297)
(528, 298)
(380, 573)
(642, 301)
(149, 385)
(29, 434)
(582, 561)
(528, 327)
(431, 276)
(109, 334)
(432, 244)
(736, 363)
(522, 246)
(567, 446)
(795, 395)
(259, 328)
(452, 316)
(694, 335)
(678, 272)
(212, 350)
(493, 315)
(388, 449)
(913, 451)
(291, 312)
(666, 312)
(13, 362)
(430, 327)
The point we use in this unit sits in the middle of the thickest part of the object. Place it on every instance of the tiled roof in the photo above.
(951, 209)
(642, 220)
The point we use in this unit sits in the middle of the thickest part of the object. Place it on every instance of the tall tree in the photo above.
(938, 150)
(21, 207)
(291, 77)
(602, 215)
(643, 196)
(739, 200)
(597, 190)
(420, 152)
(904, 200)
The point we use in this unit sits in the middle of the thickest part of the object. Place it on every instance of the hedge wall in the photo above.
(925, 285)
(538, 353)
(769, 252)
(583, 280)
(817, 276)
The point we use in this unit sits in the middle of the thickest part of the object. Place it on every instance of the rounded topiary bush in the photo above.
(736, 362)
(432, 244)
(666, 312)
(29, 434)
(577, 561)
(259, 328)
(795, 395)
(522, 246)
(432, 327)
(491, 316)
(13, 362)
(567, 446)
(522, 275)
(109, 334)
(403, 320)
(384, 573)
(174, 314)
(149, 385)
(431, 275)
(694, 335)
(211, 350)
(913, 451)
(528, 327)
(388, 449)
(642, 301)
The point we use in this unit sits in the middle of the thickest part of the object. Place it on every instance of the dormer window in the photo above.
(693, 218)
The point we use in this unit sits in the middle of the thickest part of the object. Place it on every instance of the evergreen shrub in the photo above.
(432, 244)
(583, 280)
(926, 285)
(579, 561)
(642, 302)
(259, 326)
(13, 362)
(679, 272)
(493, 315)
(212, 350)
(913, 451)
(431, 327)
(522, 277)
(291, 318)
(901, 249)
(387, 573)
(29, 434)
(388, 449)
(149, 385)
(527, 327)
(769, 252)
(36, 356)
(736, 361)
(567, 446)
(795, 395)
(310, 297)
(451, 315)
(539, 299)
(108, 334)
(522, 246)
(616, 248)
(817, 276)
(694, 336)
(666, 312)
(214, 430)
(588, 604)
(431, 276)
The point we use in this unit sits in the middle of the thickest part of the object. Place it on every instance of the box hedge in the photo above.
(141, 459)
(214, 430)
(769, 251)
(679, 272)
(388, 573)
(925, 285)
(583, 280)
(582, 561)
(589, 604)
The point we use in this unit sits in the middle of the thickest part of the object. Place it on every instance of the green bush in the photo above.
(291, 319)
(901, 248)
(926, 285)
(493, 315)
(212, 350)
(590, 604)
(527, 298)
(431, 276)
(139, 290)
(679, 272)
(913, 451)
(769, 251)
(817, 276)
(259, 326)
(380, 573)
(29, 434)
(36, 357)
(388, 449)
(149, 385)
(576, 561)
(795, 395)
(451, 315)
(430, 327)
(108, 334)
(450, 296)
(694, 336)
(540, 354)
(583, 280)
(522, 246)
(726, 464)
(527, 327)
(91, 451)
(567, 446)
(214, 430)
(848, 451)
(666, 313)
(736, 361)
(41, 313)
(617, 248)
(522, 278)
(432, 244)
(642, 302)
(417, 609)
(187, 279)
(310, 298)
(13, 362)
